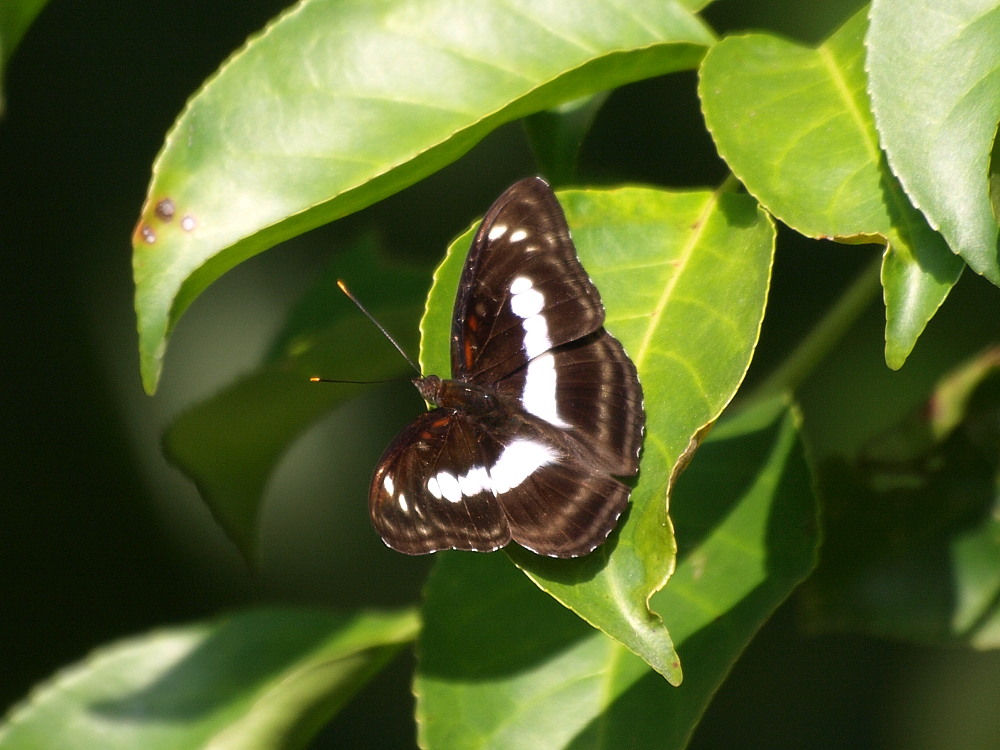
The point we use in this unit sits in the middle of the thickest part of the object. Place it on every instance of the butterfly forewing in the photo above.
(544, 411)
(523, 289)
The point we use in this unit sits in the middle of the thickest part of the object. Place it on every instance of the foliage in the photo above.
(879, 134)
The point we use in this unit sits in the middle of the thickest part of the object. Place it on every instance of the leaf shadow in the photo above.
(482, 641)
(651, 712)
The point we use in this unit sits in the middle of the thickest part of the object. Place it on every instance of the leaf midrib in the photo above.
(681, 263)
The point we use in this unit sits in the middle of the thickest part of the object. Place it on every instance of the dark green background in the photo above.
(100, 538)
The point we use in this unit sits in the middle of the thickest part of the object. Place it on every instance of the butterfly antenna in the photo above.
(316, 379)
(362, 308)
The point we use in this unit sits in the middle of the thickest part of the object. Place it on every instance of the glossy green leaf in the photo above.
(230, 444)
(935, 89)
(15, 18)
(665, 264)
(503, 666)
(339, 104)
(913, 539)
(794, 124)
(254, 680)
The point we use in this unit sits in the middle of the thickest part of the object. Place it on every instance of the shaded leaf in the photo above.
(502, 665)
(665, 264)
(556, 134)
(257, 679)
(935, 90)
(914, 523)
(794, 124)
(230, 444)
(337, 105)
(15, 18)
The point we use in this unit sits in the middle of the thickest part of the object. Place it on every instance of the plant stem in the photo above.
(823, 337)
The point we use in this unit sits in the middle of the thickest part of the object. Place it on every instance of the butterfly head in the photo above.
(429, 387)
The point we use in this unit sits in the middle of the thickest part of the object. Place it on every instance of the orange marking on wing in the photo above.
(469, 351)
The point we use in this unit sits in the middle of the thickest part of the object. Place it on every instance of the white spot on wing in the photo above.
(520, 284)
(497, 231)
(536, 336)
(475, 482)
(527, 303)
(449, 487)
(517, 235)
(433, 487)
(539, 396)
(517, 462)
(403, 504)
(390, 488)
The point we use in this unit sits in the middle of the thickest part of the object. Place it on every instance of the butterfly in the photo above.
(543, 412)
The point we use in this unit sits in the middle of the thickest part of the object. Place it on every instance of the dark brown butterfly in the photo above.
(543, 412)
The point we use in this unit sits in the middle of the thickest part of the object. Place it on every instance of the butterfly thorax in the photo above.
(467, 398)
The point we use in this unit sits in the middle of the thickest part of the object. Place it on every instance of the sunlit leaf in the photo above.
(935, 88)
(15, 18)
(253, 680)
(502, 665)
(794, 124)
(665, 264)
(337, 105)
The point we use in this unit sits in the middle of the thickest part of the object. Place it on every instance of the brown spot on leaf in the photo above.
(165, 209)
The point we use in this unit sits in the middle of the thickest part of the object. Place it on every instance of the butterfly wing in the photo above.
(556, 499)
(452, 482)
(522, 290)
(587, 391)
(429, 491)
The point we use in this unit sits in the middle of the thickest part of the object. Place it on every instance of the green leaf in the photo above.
(935, 89)
(257, 679)
(230, 444)
(666, 265)
(337, 105)
(747, 522)
(556, 135)
(794, 124)
(913, 525)
(503, 666)
(15, 18)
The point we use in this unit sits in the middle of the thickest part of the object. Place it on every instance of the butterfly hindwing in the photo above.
(451, 482)
(556, 498)
(590, 389)
(428, 491)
